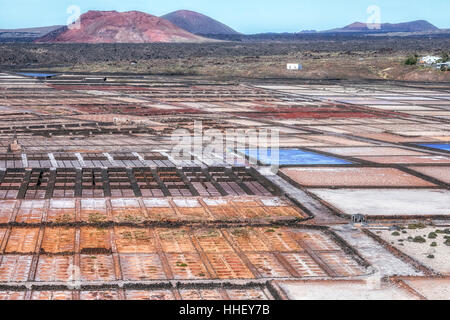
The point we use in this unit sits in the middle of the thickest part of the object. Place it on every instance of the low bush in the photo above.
(414, 226)
(432, 235)
(412, 60)
(419, 239)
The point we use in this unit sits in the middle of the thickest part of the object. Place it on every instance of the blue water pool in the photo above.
(439, 146)
(291, 157)
(37, 75)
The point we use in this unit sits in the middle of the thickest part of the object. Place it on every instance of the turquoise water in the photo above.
(37, 75)
(439, 146)
(292, 157)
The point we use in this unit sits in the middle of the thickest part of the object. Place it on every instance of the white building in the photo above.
(294, 66)
(444, 64)
(429, 60)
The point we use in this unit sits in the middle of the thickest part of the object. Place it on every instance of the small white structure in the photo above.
(294, 66)
(429, 60)
(444, 64)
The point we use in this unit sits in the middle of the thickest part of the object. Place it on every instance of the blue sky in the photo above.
(247, 16)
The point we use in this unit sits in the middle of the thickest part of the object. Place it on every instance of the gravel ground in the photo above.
(344, 290)
(380, 258)
(433, 289)
(435, 257)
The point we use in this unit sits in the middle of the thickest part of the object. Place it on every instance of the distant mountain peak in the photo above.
(198, 23)
(412, 26)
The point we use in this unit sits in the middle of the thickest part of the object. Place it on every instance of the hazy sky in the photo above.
(247, 16)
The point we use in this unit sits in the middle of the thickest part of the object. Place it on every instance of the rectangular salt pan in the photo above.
(291, 157)
(37, 75)
(388, 202)
(439, 146)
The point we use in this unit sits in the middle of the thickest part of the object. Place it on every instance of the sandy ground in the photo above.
(344, 290)
(384, 262)
(421, 251)
(433, 289)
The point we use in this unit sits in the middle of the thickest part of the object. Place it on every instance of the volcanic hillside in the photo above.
(198, 23)
(121, 27)
(413, 26)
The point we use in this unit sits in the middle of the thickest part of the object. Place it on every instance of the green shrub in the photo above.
(411, 60)
(434, 244)
(430, 256)
(419, 239)
(445, 57)
(396, 234)
(414, 226)
(432, 235)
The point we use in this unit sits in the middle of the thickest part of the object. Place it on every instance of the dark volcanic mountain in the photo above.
(26, 32)
(120, 27)
(198, 23)
(413, 26)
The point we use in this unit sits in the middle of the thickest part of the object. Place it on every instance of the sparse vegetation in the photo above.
(181, 264)
(348, 58)
(241, 232)
(412, 60)
(432, 235)
(97, 217)
(64, 218)
(137, 235)
(419, 239)
(415, 226)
